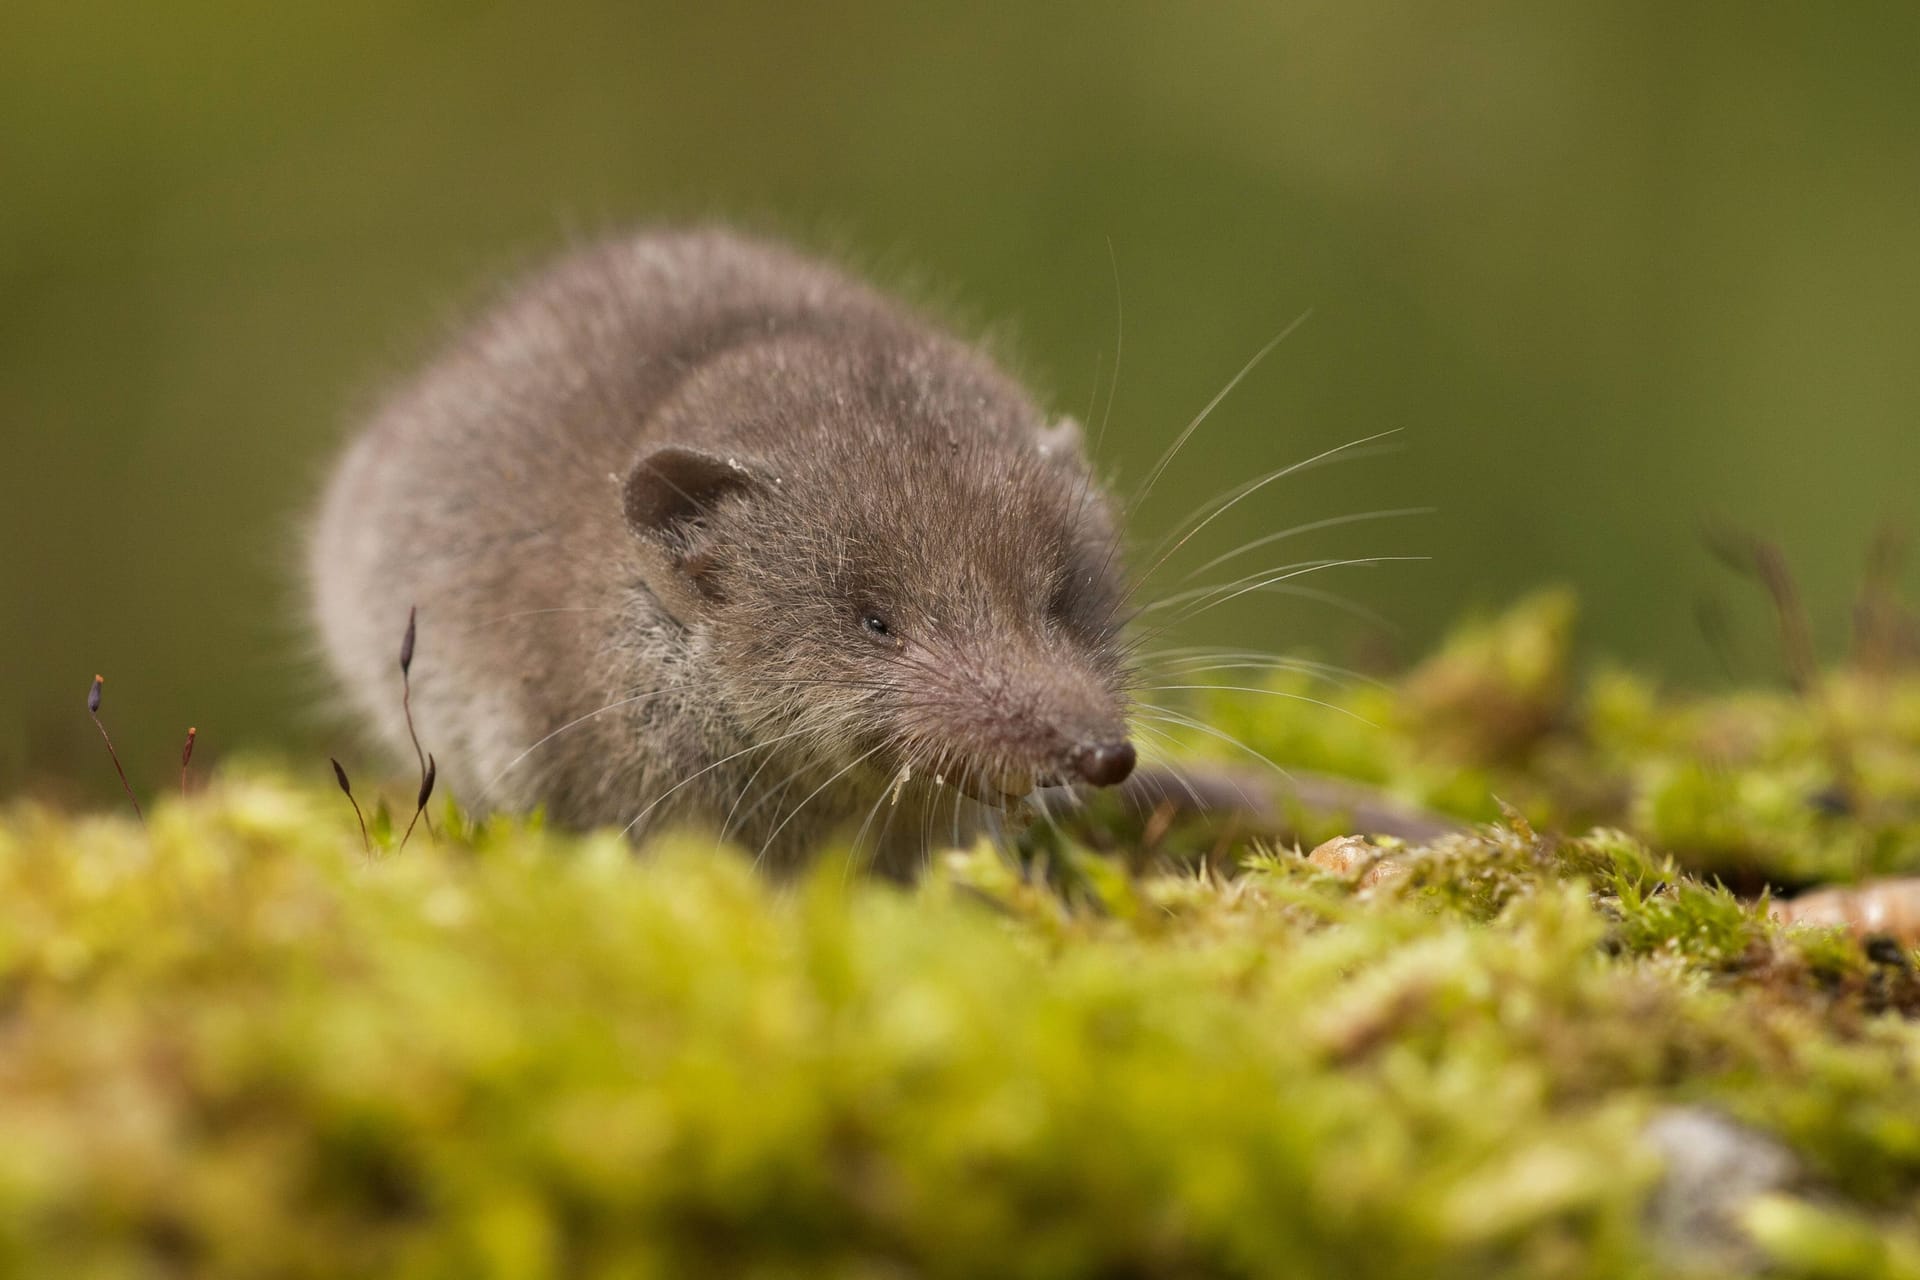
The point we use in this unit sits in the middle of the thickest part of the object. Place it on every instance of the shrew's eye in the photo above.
(875, 625)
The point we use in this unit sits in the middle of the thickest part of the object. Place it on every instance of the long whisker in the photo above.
(776, 792)
(1119, 336)
(1335, 600)
(1353, 451)
(1310, 670)
(1246, 491)
(1170, 716)
(1166, 762)
(1153, 477)
(746, 789)
(1266, 577)
(757, 746)
(953, 840)
(1310, 527)
(1209, 658)
(914, 758)
(832, 778)
(487, 788)
(860, 836)
(1271, 693)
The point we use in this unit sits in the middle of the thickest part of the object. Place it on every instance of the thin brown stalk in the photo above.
(93, 710)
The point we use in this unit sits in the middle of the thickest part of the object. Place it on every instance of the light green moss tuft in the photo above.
(232, 1045)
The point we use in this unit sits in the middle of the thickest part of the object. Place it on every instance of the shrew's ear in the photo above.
(671, 490)
(669, 496)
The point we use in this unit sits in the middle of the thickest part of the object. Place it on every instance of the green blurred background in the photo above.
(1610, 268)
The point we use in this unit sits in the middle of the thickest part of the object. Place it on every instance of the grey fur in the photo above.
(645, 506)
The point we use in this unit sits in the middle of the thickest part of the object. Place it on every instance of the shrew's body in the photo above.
(701, 530)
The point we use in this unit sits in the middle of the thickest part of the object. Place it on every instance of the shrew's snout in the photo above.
(1104, 764)
(1014, 716)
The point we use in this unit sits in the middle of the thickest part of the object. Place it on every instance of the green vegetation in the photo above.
(232, 1044)
(1757, 788)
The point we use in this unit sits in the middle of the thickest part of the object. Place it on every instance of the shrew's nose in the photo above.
(1105, 764)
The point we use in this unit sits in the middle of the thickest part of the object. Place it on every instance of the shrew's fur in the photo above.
(700, 530)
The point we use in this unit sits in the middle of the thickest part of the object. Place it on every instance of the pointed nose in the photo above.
(1105, 764)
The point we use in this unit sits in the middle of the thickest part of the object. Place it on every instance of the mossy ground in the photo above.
(232, 1044)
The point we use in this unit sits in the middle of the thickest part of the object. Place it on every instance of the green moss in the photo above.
(1757, 787)
(234, 1045)
(231, 1044)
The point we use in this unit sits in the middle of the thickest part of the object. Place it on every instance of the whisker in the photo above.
(1169, 716)
(487, 788)
(1352, 451)
(1141, 636)
(1210, 659)
(1310, 527)
(777, 792)
(831, 779)
(1247, 490)
(1226, 591)
(1166, 762)
(1334, 599)
(1311, 671)
(859, 837)
(1159, 468)
(746, 789)
(756, 746)
(1119, 338)
(953, 840)
(1271, 693)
